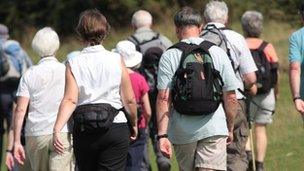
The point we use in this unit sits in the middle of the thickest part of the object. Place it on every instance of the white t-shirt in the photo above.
(44, 85)
(97, 72)
(240, 55)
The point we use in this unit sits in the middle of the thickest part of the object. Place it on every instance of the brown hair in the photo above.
(92, 26)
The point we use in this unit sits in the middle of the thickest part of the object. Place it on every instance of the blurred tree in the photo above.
(63, 14)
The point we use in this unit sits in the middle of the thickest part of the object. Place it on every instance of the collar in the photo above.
(49, 58)
(93, 48)
(195, 40)
(217, 25)
(143, 29)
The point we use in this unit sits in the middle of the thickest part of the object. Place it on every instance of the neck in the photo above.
(188, 32)
(130, 70)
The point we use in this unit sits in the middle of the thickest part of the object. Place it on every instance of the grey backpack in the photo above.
(152, 50)
(215, 35)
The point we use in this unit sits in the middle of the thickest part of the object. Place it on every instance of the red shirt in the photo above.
(140, 88)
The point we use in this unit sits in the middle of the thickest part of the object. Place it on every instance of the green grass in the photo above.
(285, 135)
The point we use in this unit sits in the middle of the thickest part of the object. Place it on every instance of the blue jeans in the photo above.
(136, 152)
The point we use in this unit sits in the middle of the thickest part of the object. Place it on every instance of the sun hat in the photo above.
(128, 52)
(3, 32)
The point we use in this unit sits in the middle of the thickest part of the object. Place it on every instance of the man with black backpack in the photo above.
(152, 45)
(234, 44)
(194, 78)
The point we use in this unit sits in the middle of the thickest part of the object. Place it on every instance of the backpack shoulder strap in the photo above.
(262, 46)
(206, 45)
(185, 48)
(133, 39)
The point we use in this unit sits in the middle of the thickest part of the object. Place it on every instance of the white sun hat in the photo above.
(128, 52)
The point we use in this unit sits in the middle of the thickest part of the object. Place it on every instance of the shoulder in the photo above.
(296, 34)
(165, 40)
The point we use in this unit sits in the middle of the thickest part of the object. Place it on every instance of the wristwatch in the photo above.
(296, 98)
(9, 151)
(161, 136)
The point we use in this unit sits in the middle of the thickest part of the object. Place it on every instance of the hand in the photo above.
(299, 103)
(19, 153)
(9, 161)
(165, 147)
(253, 90)
(230, 138)
(134, 133)
(57, 143)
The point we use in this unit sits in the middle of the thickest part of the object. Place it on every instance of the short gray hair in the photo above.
(216, 11)
(252, 23)
(45, 42)
(141, 18)
(187, 17)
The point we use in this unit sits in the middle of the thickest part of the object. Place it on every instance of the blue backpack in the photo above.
(17, 64)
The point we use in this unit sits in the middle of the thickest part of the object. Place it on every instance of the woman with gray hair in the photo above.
(42, 88)
(252, 23)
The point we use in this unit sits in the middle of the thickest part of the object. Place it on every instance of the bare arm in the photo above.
(249, 80)
(162, 110)
(22, 103)
(294, 78)
(230, 102)
(294, 81)
(69, 101)
(147, 107)
(127, 95)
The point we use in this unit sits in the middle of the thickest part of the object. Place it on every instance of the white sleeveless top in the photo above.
(97, 72)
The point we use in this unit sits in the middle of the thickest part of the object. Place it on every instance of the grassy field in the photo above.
(286, 137)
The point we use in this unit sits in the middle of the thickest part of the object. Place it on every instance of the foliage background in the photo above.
(21, 15)
(286, 136)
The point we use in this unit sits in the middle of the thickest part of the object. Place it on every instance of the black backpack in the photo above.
(267, 72)
(196, 85)
(152, 50)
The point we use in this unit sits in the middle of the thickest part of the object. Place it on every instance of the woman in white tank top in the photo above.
(97, 85)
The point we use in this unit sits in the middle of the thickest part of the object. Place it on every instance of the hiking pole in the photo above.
(252, 146)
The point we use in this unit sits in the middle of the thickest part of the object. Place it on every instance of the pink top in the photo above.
(140, 88)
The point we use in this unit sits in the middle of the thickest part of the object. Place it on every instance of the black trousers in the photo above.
(102, 151)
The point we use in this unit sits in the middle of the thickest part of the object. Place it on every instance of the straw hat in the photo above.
(129, 53)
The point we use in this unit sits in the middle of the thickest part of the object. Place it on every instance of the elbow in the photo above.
(249, 80)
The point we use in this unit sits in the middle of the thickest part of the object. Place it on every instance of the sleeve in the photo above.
(223, 65)
(271, 54)
(246, 62)
(294, 54)
(166, 69)
(23, 89)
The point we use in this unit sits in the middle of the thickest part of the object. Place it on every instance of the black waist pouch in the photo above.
(94, 117)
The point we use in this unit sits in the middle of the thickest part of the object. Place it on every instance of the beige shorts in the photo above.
(42, 156)
(208, 153)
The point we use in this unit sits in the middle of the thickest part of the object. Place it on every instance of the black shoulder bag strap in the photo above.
(186, 50)
(262, 46)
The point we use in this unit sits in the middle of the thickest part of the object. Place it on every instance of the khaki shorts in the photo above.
(42, 156)
(266, 101)
(208, 153)
(236, 153)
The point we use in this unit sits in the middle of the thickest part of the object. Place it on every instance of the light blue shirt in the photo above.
(296, 53)
(185, 129)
